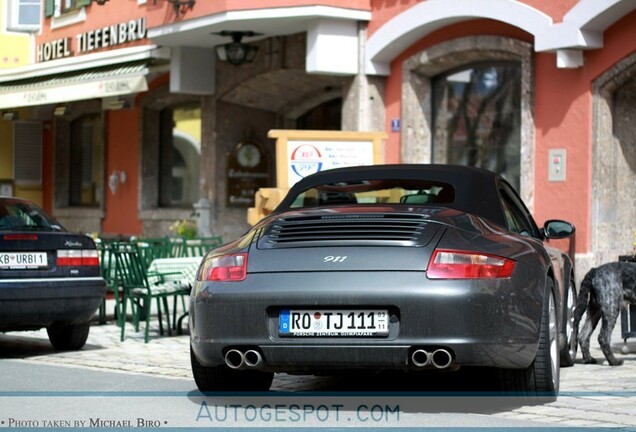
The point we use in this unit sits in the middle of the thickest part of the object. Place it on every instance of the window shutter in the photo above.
(81, 3)
(27, 153)
(49, 8)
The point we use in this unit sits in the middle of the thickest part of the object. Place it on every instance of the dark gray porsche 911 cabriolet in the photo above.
(394, 267)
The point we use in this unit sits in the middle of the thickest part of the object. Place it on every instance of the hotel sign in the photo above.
(93, 40)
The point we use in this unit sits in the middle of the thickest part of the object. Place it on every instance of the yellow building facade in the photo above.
(15, 51)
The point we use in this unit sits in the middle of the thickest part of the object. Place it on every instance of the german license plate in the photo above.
(306, 322)
(22, 260)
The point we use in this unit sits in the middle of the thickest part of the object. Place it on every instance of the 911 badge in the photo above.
(334, 259)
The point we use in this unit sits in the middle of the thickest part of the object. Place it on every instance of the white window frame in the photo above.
(13, 14)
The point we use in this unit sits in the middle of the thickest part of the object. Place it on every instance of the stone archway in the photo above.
(418, 72)
(614, 163)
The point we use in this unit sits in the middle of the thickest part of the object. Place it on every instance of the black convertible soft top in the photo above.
(476, 189)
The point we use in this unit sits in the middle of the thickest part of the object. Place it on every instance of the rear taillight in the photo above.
(77, 257)
(20, 237)
(452, 264)
(228, 268)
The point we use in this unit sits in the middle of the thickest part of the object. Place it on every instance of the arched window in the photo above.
(179, 155)
(477, 118)
(469, 100)
(86, 173)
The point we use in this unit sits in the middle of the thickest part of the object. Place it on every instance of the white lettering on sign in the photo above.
(116, 87)
(111, 35)
(53, 50)
(104, 37)
(34, 97)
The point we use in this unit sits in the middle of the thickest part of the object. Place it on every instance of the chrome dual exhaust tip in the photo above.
(236, 359)
(440, 358)
(253, 358)
(421, 358)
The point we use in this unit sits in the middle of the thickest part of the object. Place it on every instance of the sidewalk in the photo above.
(591, 395)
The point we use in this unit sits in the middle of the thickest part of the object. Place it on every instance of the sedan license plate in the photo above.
(22, 260)
(301, 322)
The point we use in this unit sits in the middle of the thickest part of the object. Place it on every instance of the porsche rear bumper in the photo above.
(480, 323)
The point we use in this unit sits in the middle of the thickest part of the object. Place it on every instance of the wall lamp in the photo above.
(9, 115)
(237, 52)
(59, 110)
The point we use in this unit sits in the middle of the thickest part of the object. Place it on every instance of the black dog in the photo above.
(608, 287)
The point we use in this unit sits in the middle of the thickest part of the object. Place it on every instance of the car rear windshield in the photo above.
(16, 215)
(406, 192)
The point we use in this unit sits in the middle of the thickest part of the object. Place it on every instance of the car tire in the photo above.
(67, 337)
(568, 352)
(222, 378)
(541, 378)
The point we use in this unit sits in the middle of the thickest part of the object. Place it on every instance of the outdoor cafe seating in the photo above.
(147, 274)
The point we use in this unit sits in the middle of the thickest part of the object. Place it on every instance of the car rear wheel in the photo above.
(568, 352)
(222, 378)
(541, 378)
(68, 336)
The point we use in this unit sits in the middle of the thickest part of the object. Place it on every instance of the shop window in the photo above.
(477, 118)
(27, 153)
(179, 155)
(24, 15)
(327, 116)
(87, 162)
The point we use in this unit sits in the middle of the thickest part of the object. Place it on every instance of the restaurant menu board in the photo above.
(247, 172)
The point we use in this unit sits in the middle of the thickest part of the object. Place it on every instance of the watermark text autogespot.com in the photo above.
(297, 413)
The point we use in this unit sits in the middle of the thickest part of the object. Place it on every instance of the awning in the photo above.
(97, 82)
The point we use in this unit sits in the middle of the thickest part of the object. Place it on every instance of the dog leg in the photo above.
(593, 317)
(605, 337)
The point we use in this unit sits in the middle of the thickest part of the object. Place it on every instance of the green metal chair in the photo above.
(198, 247)
(175, 247)
(152, 248)
(181, 270)
(108, 270)
(140, 288)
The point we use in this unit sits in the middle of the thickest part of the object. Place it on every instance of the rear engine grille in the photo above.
(349, 230)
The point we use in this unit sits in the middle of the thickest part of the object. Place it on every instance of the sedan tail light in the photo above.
(452, 264)
(20, 237)
(228, 268)
(77, 257)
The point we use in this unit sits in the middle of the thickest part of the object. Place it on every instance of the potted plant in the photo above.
(184, 228)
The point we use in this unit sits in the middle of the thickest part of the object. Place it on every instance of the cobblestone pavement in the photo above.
(591, 395)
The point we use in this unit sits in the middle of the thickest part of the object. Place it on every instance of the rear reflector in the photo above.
(452, 264)
(77, 257)
(228, 268)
